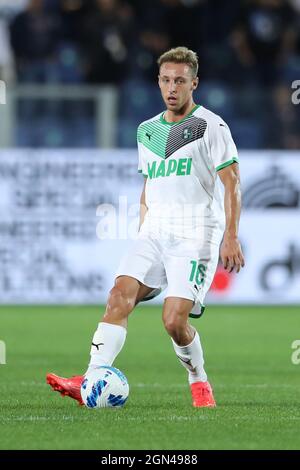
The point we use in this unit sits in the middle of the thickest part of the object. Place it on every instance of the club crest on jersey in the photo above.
(187, 133)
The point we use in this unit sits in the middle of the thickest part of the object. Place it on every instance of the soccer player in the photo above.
(185, 154)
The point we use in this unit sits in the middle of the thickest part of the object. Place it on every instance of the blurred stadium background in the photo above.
(249, 53)
(80, 75)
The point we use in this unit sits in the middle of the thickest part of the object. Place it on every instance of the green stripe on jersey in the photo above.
(154, 136)
(229, 162)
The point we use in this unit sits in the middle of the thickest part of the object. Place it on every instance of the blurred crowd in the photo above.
(242, 44)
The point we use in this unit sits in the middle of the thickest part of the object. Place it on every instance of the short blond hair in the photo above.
(180, 55)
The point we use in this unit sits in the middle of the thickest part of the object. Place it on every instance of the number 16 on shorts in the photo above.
(197, 274)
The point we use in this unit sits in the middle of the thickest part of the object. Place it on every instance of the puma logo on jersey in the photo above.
(97, 345)
(170, 167)
(148, 135)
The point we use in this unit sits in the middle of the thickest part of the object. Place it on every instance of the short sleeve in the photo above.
(142, 166)
(140, 163)
(222, 147)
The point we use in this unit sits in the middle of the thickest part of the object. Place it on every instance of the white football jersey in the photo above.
(181, 161)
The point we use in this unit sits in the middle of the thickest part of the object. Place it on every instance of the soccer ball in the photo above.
(104, 387)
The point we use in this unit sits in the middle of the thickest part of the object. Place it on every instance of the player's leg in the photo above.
(185, 338)
(189, 276)
(138, 269)
(110, 336)
(187, 347)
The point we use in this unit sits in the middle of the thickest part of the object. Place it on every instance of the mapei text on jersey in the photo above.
(171, 167)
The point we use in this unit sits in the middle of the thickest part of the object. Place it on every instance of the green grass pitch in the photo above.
(248, 360)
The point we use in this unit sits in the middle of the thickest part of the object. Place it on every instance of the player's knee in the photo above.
(173, 325)
(120, 303)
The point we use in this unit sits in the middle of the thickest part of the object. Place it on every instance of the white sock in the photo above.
(191, 357)
(108, 341)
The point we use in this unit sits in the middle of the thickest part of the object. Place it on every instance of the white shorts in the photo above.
(185, 267)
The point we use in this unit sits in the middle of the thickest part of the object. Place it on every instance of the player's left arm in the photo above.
(231, 252)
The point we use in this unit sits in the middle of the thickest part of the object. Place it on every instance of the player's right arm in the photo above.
(143, 207)
(142, 168)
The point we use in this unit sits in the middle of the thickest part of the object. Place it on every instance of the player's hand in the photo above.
(231, 254)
